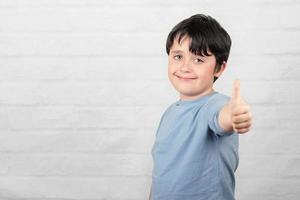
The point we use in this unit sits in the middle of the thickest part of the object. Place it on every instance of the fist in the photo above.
(240, 110)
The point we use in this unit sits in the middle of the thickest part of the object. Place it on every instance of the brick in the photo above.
(75, 188)
(275, 118)
(259, 166)
(80, 82)
(87, 94)
(271, 142)
(99, 141)
(79, 118)
(277, 42)
(262, 68)
(269, 189)
(87, 3)
(263, 92)
(79, 44)
(77, 165)
(84, 69)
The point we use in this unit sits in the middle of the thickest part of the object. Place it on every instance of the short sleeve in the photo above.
(214, 107)
(159, 125)
(161, 119)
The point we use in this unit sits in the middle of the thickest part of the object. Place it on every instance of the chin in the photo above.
(187, 92)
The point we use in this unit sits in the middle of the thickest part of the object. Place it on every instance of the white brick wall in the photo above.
(83, 85)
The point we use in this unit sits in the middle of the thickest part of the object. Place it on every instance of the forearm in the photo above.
(225, 120)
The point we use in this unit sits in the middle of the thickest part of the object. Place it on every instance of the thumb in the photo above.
(236, 92)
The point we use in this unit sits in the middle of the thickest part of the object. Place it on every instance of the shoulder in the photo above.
(216, 102)
(168, 109)
(218, 98)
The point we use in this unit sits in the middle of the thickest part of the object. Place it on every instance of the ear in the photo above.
(222, 68)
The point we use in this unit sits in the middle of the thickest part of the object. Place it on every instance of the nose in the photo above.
(185, 66)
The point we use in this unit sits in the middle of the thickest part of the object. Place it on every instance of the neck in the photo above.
(193, 97)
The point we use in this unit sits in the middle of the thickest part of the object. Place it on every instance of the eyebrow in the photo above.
(176, 51)
(179, 51)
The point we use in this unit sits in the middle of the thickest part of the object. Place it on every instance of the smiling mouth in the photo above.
(184, 78)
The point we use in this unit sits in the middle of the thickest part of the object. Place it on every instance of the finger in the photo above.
(242, 125)
(242, 118)
(241, 131)
(236, 93)
(239, 110)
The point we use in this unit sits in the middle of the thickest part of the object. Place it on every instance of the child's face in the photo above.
(190, 74)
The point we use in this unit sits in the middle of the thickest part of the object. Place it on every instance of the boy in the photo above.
(195, 153)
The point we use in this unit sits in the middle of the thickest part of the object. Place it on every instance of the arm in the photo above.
(236, 114)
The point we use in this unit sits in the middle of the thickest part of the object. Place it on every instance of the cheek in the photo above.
(171, 68)
(204, 75)
(170, 71)
(202, 72)
(205, 70)
(171, 75)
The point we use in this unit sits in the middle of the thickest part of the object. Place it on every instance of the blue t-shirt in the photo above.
(193, 157)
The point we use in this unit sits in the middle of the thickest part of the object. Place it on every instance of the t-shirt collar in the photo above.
(200, 99)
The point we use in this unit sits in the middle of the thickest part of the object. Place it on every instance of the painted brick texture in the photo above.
(83, 85)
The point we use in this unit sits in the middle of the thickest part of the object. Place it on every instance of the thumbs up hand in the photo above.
(240, 110)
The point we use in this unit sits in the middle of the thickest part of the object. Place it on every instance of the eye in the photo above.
(177, 57)
(198, 60)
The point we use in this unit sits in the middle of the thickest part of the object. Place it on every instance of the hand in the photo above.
(240, 110)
